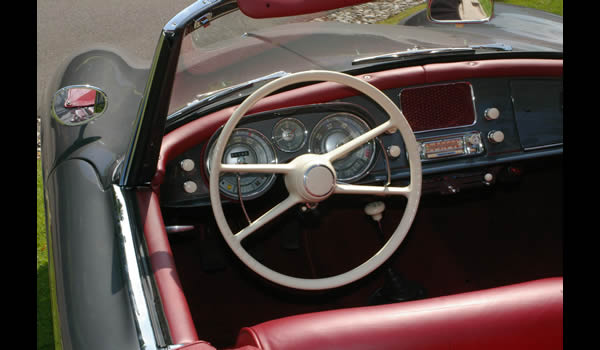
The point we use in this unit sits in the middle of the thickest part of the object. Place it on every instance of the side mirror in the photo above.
(79, 104)
(460, 11)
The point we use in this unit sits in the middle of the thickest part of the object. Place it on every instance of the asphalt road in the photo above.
(68, 27)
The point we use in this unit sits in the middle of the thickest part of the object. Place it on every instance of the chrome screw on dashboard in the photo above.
(474, 140)
(491, 113)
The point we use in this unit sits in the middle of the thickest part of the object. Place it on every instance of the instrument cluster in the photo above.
(287, 138)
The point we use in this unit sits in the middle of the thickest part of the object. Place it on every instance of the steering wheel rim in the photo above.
(303, 167)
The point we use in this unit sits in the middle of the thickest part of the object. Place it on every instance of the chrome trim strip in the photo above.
(179, 228)
(542, 147)
(453, 83)
(413, 53)
(141, 314)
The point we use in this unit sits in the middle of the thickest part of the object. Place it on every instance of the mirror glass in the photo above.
(460, 11)
(76, 105)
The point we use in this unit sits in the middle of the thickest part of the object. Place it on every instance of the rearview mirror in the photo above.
(79, 104)
(460, 11)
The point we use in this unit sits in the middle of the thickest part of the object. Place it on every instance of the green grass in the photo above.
(487, 7)
(402, 15)
(45, 339)
(552, 6)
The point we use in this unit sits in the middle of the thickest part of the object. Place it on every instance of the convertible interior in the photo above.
(481, 263)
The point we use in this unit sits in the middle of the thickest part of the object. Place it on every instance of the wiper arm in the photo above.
(209, 97)
(411, 53)
(496, 47)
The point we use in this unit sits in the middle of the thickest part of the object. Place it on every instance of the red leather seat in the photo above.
(521, 316)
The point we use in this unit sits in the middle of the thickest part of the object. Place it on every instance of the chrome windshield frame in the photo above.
(139, 164)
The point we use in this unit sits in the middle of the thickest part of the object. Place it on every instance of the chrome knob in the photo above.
(187, 165)
(375, 210)
(491, 113)
(190, 186)
(496, 136)
(394, 151)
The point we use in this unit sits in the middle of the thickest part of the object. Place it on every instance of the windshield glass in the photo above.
(235, 49)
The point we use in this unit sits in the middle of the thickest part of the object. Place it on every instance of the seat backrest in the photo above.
(522, 316)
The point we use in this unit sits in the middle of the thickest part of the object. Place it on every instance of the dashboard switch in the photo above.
(491, 113)
(496, 136)
(394, 151)
(190, 186)
(187, 165)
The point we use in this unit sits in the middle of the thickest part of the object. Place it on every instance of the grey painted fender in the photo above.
(86, 273)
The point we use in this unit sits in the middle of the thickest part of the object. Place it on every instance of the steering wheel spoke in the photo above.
(372, 190)
(348, 147)
(277, 210)
(256, 168)
(312, 176)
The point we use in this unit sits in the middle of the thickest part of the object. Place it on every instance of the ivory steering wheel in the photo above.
(311, 178)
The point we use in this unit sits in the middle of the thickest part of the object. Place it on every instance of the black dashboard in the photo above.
(466, 130)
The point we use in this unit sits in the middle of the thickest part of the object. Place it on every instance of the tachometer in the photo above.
(245, 146)
(289, 135)
(337, 129)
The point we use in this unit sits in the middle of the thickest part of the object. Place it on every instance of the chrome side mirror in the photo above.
(460, 11)
(78, 104)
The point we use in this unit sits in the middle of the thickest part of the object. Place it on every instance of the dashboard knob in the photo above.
(496, 136)
(187, 165)
(190, 186)
(394, 151)
(491, 113)
(375, 210)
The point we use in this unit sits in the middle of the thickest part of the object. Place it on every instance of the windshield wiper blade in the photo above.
(209, 97)
(496, 47)
(411, 53)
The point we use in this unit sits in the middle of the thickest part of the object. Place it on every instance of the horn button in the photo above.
(319, 181)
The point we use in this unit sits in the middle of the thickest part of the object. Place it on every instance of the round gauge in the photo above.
(289, 135)
(245, 146)
(337, 129)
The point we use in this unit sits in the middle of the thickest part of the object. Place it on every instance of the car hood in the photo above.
(325, 45)
(524, 28)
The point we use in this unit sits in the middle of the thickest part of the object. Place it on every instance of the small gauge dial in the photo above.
(289, 135)
(334, 131)
(245, 146)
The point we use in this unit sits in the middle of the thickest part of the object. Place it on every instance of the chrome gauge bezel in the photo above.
(366, 128)
(245, 196)
(304, 135)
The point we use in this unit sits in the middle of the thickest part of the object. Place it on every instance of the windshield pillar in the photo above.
(139, 164)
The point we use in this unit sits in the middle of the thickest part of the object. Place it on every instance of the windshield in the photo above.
(235, 49)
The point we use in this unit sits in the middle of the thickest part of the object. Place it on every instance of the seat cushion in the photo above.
(521, 316)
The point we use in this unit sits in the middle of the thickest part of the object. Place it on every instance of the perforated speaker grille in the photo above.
(438, 106)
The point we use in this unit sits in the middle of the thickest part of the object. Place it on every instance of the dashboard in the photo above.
(466, 129)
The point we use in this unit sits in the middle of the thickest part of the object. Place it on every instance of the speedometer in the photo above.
(245, 146)
(334, 131)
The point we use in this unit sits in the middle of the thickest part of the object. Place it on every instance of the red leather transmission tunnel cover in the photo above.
(521, 316)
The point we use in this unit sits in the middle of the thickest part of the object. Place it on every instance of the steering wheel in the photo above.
(311, 178)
